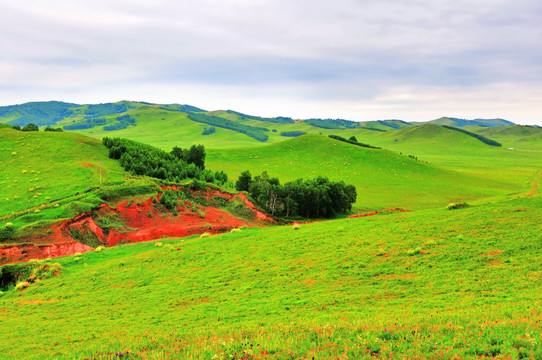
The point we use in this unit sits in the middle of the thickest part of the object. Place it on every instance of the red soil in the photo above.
(135, 223)
(379, 212)
(142, 227)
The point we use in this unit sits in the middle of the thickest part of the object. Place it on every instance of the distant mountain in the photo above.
(168, 125)
(451, 121)
(39, 113)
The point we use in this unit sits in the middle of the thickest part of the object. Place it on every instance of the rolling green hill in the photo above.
(172, 125)
(515, 136)
(40, 167)
(451, 121)
(383, 178)
(456, 151)
(430, 284)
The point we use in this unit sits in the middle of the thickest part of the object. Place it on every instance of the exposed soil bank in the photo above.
(131, 222)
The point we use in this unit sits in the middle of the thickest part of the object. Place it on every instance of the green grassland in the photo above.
(434, 284)
(166, 129)
(383, 178)
(41, 167)
(517, 136)
(456, 151)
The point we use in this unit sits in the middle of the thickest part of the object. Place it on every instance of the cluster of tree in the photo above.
(48, 128)
(34, 127)
(182, 108)
(100, 110)
(315, 198)
(292, 133)
(121, 122)
(277, 120)
(88, 123)
(476, 136)
(257, 133)
(28, 127)
(352, 140)
(208, 131)
(334, 123)
(179, 164)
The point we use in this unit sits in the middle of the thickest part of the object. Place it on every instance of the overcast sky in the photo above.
(414, 60)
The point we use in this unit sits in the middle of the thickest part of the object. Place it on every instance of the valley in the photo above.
(114, 250)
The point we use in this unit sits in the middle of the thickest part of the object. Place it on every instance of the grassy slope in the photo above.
(166, 129)
(453, 150)
(517, 136)
(429, 284)
(383, 178)
(39, 167)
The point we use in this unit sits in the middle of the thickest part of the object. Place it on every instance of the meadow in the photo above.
(439, 284)
(43, 167)
(383, 178)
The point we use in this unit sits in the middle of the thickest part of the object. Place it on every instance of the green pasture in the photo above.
(522, 138)
(42, 167)
(440, 284)
(383, 178)
(456, 151)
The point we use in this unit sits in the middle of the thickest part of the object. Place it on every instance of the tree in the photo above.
(243, 183)
(179, 153)
(30, 127)
(196, 156)
(16, 127)
(353, 138)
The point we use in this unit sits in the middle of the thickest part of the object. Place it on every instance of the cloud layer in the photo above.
(361, 60)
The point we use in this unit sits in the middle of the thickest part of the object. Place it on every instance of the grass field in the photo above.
(523, 138)
(456, 151)
(435, 284)
(40, 167)
(382, 178)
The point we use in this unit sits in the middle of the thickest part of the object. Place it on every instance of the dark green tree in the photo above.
(30, 127)
(196, 156)
(243, 183)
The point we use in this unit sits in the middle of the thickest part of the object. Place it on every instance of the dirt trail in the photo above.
(534, 189)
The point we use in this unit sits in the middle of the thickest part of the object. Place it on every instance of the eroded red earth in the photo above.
(130, 222)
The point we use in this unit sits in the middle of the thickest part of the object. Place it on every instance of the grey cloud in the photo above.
(345, 50)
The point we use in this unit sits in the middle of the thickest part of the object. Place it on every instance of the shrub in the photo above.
(99, 248)
(412, 252)
(22, 285)
(158, 244)
(30, 127)
(454, 206)
(7, 232)
(292, 133)
(201, 214)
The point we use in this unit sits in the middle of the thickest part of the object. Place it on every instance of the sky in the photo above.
(414, 60)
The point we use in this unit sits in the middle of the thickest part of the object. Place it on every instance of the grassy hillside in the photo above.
(456, 151)
(517, 136)
(383, 178)
(451, 121)
(430, 284)
(39, 167)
